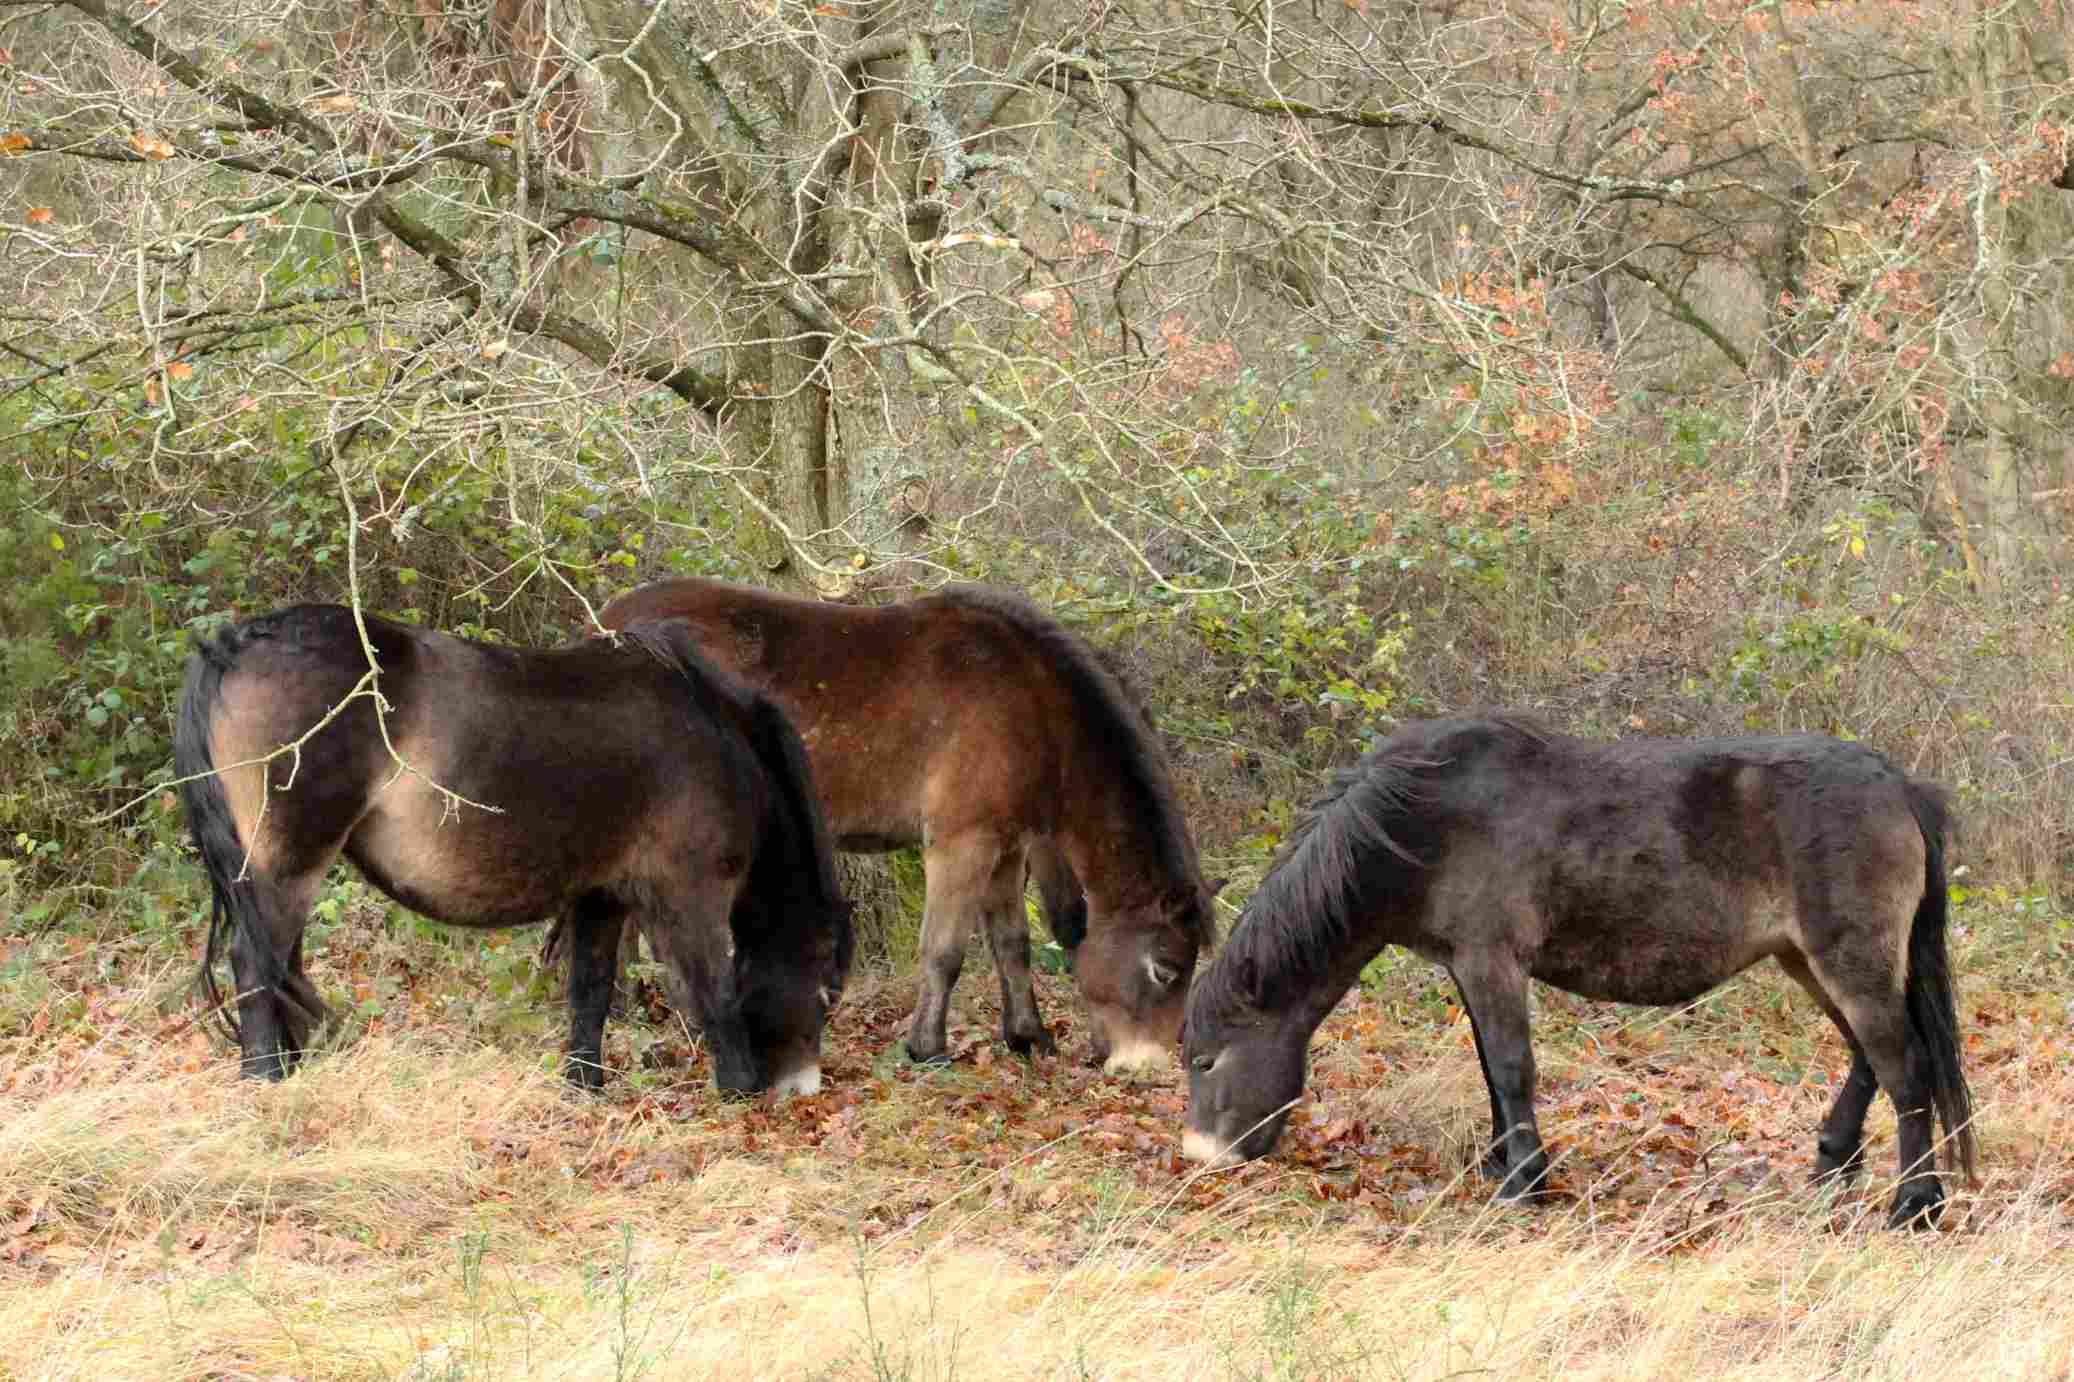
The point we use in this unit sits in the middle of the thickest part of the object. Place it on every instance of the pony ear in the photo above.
(1160, 972)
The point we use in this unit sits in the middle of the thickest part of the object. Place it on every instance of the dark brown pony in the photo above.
(627, 782)
(972, 725)
(1645, 871)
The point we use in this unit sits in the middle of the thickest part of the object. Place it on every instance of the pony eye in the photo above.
(1201, 1064)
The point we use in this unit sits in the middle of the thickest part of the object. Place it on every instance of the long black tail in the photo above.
(1932, 1013)
(208, 812)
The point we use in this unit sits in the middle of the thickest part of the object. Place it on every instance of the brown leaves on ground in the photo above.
(1715, 1109)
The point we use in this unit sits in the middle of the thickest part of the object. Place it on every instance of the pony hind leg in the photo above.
(1494, 989)
(1008, 937)
(304, 1015)
(1900, 1066)
(278, 1008)
(1840, 1146)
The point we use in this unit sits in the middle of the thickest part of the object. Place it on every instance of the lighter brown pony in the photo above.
(970, 724)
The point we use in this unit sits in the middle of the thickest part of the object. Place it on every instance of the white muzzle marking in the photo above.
(1136, 1056)
(804, 1080)
(1200, 1146)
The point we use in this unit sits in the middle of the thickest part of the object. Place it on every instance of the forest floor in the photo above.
(428, 1202)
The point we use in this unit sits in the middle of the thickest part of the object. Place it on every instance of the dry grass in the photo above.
(429, 1203)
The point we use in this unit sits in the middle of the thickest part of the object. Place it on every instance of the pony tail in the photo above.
(208, 811)
(1927, 996)
(778, 748)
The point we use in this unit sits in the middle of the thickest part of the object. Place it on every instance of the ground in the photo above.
(427, 1200)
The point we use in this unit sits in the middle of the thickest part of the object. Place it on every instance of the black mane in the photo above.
(1114, 716)
(1363, 833)
(775, 743)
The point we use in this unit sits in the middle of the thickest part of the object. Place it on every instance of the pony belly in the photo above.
(451, 874)
(1657, 968)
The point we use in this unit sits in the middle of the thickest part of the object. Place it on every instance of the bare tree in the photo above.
(906, 273)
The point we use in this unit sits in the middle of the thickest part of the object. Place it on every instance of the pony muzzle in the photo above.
(804, 1078)
(1135, 1055)
(1213, 1152)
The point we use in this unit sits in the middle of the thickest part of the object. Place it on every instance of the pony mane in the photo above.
(1320, 887)
(774, 743)
(1115, 715)
(669, 642)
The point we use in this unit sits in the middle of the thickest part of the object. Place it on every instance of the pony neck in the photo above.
(1123, 858)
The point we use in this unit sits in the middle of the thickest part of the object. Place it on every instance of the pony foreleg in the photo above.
(1495, 992)
(1493, 1163)
(552, 943)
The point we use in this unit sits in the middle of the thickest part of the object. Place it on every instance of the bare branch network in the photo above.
(850, 287)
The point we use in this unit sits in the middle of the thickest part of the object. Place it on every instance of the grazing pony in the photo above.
(972, 725)
(498, 786)
(1643, 871)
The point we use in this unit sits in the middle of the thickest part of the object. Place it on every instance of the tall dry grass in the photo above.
(428, 1204)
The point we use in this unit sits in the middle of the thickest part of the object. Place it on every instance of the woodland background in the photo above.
(1667, 367)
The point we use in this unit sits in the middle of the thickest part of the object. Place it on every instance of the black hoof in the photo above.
(925, 1056)
(1494, 1164)
(1844, 1168)
(1526, 1184)
(1040, 1042)
(1917, 1206)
